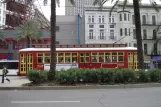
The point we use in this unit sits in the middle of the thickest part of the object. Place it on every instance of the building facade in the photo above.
(66, 33)
(119, 28)
(100, 27)
(78, 8)
(150, 19)
(2, 13)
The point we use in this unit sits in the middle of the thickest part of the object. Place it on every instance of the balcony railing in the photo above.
(3, 46)
(150, 23)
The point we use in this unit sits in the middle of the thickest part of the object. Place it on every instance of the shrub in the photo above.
(51, 75)
(107, 75)
(154, 75)
(66, 77)
(129, 76)
(142, 76)
(37, 76)
(118, 77)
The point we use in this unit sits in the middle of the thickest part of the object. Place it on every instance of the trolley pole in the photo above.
(78, 29)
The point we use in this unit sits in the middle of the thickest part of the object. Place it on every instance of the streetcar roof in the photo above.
(77, 49)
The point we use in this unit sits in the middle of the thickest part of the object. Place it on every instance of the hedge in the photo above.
(101, 76)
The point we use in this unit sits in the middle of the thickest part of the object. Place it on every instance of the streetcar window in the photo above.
(40, 58)
(47, 58)
(114, 57)
(108, 57)
(84, 57)
(94, 57)
(101, 57)
(60, 57)
(120, 56)
(74, 57)
(67, 58)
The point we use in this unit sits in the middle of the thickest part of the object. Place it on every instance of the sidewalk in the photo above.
(17, 81)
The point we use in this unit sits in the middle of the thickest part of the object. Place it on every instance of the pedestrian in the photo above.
(4, 74)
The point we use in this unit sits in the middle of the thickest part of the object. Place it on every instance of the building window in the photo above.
(57, 42)
(91, 26)
(134, 33)
(135, 45)
(125, 17)
(154, 34)
(101, 19)
(102, 34)
(111, 34)
(120, 17)
(133, 19)
(111, 19)
(129, 32)
(144, 34)
(90, 34)
(57, 28)
(101, 26)
(143, 19)
(128, 17)
(112, 26)
(90, 19)
(145, 49)
(153, 20)
(125, 31)
(121, 32)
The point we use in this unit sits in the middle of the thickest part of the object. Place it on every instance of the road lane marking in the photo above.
(31, 102)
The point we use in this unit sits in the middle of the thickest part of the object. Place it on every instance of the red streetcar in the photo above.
(109, 57)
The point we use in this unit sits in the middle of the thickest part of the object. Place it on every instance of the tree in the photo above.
(28, 29)
(53, 35)
(137, 23)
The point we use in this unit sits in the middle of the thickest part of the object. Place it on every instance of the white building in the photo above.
(100, 27)
(2, 13)
(120, 28)
(77, 8)
(150, 19)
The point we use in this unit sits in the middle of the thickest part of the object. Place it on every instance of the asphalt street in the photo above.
(132, 97)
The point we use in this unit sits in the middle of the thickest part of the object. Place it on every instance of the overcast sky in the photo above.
(61, 10)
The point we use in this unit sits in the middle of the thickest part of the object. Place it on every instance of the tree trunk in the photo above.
(138, 34)
(53, 37)
(28, 42)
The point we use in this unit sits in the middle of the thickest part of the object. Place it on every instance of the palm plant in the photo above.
(137, 23)
(53, 34)
(28, 29)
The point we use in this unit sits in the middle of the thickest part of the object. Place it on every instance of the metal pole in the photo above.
(78, 29)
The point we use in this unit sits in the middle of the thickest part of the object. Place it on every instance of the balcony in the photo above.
(111, 38)
(150, 23)
(102, 37)
(91, 37)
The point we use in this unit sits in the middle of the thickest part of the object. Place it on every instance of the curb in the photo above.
(123, 86)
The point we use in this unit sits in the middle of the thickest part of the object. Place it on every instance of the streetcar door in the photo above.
(132, 60)
(29, 64)
(26, 62)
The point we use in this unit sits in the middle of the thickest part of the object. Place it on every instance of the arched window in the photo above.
(153, 20)
(143, 19)
(145, 49)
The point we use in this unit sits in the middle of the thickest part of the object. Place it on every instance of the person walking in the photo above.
(4, 73)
